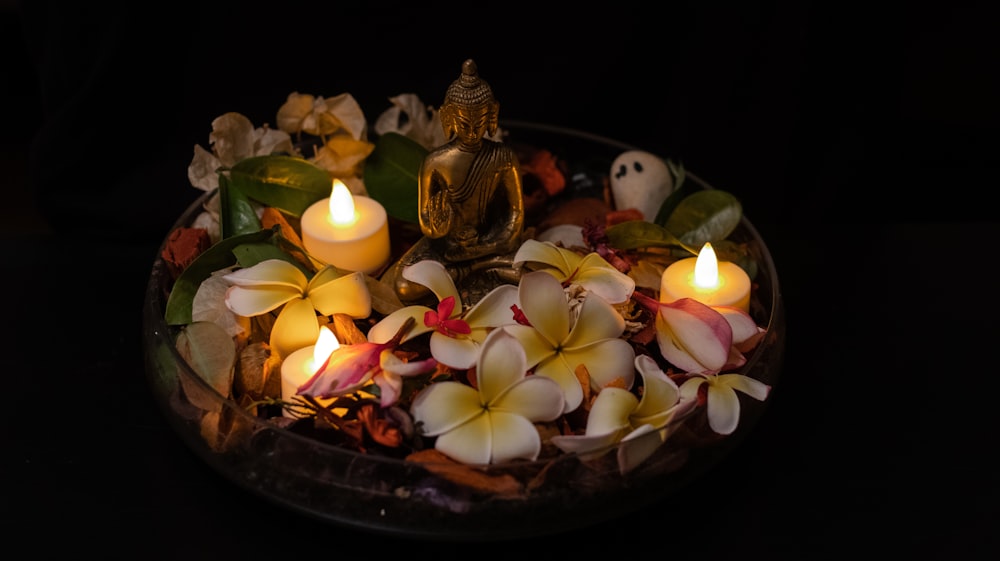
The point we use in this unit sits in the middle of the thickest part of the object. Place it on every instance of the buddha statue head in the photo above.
(469, 110)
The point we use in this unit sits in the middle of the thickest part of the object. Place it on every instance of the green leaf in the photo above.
(237, 215)
(250, 254)
(681, 190)
(634, 234)
(391, 173)
(217, 257)
(283, 182)
(728, 250)
(708, 215)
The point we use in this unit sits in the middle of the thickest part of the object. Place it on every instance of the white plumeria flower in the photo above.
(272, 283)
(722, 403)
(641, 424)
(493, 422)
(558, 341)
(233, 138)
(591, 271)
(451, 344)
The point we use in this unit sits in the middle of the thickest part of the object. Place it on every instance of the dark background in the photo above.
(861, 141)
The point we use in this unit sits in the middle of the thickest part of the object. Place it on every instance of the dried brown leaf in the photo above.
(382, 430)
(250, 377)
(504, 485)
(347, 331)
(583, 377)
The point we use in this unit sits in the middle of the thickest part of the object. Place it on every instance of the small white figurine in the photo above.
(642, 181)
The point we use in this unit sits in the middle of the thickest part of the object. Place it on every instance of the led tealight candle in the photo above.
(299, 366)
(350, 233)
(704, 279)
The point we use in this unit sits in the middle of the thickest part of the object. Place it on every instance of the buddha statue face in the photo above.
(470, 124)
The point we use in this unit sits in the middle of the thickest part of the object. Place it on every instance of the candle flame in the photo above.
(341, 205)
(706, 268)
(326, 343)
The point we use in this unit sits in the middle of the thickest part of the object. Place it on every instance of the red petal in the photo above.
(457, 326)
(431, 318)
(446, 307)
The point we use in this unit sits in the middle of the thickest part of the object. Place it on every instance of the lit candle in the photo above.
(350, 233)
(299, 366)
(704, 279)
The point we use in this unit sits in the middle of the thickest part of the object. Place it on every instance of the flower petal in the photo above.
(295, 328)
(743, 325)
(390, 380)
(391, 363)
(536, 347)
(723, 408)
(470, 443)
(202, 170)
(344, 295)
(610, 411)
(659, 392)
(606, 361)
(435, 277)
(535, 254)
(387, 327)
(494, 309)
(597, 320)
(689, 389)
(454, 352)
(390, 387)
(349, 368)
(556, 368)
(750, 386)
(443, 406)
(587, 444)
(600, 277)
(693, 336)
(270, 272)
(295, 109)
(513, 437)
(543, 302)
(501, 363)
(637, 446)
(347, 110)
(536, 398)
(254, 301)
(232, 138)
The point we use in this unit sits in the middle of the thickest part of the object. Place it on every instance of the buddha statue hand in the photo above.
(439, 216)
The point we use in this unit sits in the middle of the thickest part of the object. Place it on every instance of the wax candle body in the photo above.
(361, 246)
(296, 370)
(732, 287)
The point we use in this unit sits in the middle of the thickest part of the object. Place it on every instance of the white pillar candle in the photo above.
(348, 232)
(704, 279)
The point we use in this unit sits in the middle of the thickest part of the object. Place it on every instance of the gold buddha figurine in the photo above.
(469, 193)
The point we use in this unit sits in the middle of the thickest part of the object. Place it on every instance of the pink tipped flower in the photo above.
(351, 367)
(698, 338)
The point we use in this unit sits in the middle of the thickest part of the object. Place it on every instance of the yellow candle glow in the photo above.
(704, 279)
(302, 364)
(348, 232)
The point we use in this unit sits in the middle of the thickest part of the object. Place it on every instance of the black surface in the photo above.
(863, 146)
